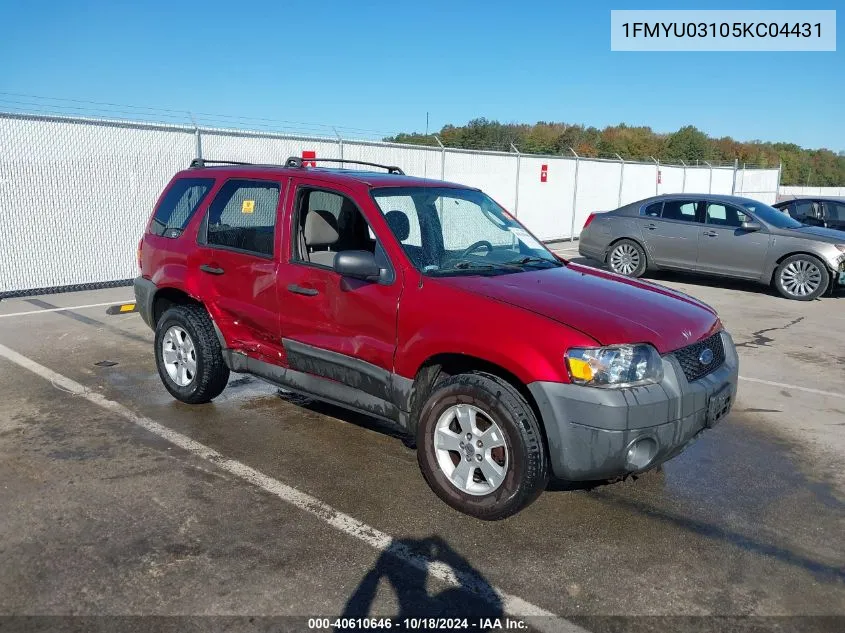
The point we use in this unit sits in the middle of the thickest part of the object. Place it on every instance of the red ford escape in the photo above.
(426, 304)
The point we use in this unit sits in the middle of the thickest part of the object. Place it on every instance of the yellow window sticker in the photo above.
(248, 206)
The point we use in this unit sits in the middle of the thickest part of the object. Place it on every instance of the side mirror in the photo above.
(752, 226)
(357, 264)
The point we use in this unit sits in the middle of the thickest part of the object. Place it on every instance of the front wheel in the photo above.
(480, 447)
(802, 278)
(628, 258)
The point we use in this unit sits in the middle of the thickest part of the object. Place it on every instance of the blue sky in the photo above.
(379, 66)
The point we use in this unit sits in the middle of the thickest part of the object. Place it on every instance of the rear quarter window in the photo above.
(178, 206)
(652, 210)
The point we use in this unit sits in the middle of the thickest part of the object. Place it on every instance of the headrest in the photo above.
(399, 224)
(320, 228)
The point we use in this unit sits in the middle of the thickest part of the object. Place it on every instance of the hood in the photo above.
(817, 233)
(609, 308)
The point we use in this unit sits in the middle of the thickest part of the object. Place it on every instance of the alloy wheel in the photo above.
(801, 278)
(179, 356)
(624, 259)
(470, 449)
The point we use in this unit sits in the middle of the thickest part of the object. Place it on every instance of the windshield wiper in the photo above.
(532, 259)
(465, 264)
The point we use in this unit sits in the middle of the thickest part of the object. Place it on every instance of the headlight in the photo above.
(841, 247)
(616, 366)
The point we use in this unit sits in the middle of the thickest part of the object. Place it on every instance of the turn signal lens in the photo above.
(841, 247)
(579, 369)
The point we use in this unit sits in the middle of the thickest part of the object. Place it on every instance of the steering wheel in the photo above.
(475, 246)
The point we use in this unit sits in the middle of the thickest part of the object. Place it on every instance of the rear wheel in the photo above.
(802, 278)
(188, 355)
(628, 258)
(480, 447)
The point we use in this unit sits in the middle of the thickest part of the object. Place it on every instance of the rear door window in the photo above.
(242, 217)
(178, 205)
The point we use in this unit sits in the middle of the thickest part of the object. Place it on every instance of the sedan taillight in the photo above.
(589, 220)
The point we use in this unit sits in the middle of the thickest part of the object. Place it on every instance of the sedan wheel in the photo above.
(801, 277)
(627, 258)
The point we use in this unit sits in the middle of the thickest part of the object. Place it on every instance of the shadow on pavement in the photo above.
(473, 598)
(708, 530)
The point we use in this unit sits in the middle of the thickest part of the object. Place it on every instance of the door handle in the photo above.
(651, 227)
(211, 270)
(308, 292)
(710, 234)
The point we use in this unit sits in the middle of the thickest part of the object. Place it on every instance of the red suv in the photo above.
(426, 304)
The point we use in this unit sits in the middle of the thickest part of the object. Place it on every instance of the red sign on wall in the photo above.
(544, 173)
(306, 154)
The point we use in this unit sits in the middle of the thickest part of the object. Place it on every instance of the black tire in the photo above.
(632, 248)
(785, 288)
(527, 470)
(211, 372)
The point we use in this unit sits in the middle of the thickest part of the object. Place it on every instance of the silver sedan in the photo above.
(718, 235)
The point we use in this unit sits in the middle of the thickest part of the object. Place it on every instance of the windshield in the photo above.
(447, 231)
(772, 216)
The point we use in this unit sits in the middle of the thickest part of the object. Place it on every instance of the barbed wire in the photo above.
(27, 103)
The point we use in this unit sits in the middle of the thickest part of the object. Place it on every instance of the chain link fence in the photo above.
(76, 193)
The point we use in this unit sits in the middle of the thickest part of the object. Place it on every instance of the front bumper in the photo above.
(590, 430)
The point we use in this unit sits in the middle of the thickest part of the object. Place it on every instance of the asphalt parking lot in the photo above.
(119, 500)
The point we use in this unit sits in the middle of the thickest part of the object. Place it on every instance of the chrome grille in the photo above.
(689, 357)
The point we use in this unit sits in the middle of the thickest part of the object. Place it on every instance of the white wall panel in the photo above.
(639, 182)
(546, 207)
(760, 184)
(723, 178)
(789, 192)
(698, 180)
(75, 198)
(598, 189)
(424, 163)
(494, 173)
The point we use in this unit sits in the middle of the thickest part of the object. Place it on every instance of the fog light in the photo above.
(640, 454)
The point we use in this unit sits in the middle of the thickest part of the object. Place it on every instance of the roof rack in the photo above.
(202, 162)
(298, 163)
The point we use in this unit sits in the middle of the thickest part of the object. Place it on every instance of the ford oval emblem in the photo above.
(706, 356)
